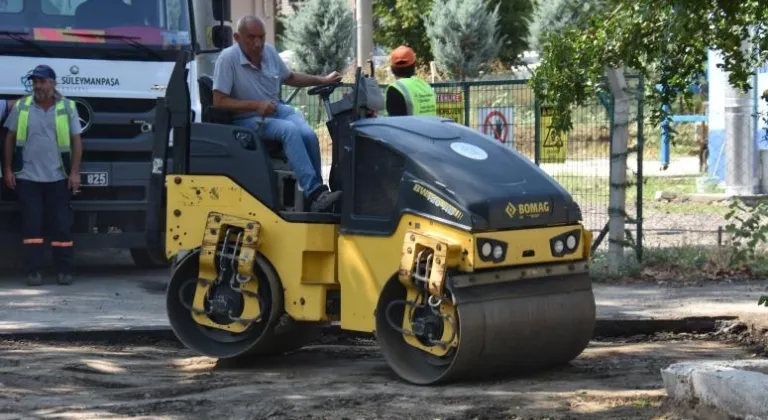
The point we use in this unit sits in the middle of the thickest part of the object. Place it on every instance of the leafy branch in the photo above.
(665, 42)
(748, 229)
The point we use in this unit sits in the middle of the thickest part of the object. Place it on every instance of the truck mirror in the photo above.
(222, 10)
(221, 36)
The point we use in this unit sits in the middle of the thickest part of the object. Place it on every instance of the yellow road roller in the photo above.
(460, 255)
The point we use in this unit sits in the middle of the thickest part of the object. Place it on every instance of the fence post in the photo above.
(618, 177)
(466, 103)
(536, 131)
(640, 144)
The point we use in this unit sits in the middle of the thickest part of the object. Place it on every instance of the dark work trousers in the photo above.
(46, 213)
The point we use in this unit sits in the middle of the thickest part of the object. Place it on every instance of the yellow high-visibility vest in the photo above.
(63, 109)
(420, 98)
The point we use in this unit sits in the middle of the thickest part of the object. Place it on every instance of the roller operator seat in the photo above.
(212, 114)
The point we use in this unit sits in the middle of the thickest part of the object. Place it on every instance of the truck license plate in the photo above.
(94, 179)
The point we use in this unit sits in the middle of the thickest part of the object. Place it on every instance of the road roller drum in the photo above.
(518, 327)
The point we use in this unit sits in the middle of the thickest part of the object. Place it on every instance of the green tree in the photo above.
(515, 18)
(401, 22)
(553, 15)
(283, 10)
(464, 36)
(321, 35)
(665, 41)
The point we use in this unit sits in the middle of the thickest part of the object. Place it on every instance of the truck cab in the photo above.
(113, 58)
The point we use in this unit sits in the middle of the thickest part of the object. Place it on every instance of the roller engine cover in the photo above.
(464, 177)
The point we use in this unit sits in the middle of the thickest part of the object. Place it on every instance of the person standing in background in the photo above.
(408, 95)
(41, 162)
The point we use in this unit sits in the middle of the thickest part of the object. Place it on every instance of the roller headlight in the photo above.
(498, 252)
(571, 242)
(491, 250)
(486, 249)
(565, 243)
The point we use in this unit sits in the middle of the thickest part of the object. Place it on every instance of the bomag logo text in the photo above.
(534, 209)
(437, 201)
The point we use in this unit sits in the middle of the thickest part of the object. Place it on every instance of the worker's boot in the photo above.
(34, 279)
(64, 279)
(323, 200)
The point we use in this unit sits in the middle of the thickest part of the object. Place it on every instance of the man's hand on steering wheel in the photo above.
(327, 84)
(334, 77)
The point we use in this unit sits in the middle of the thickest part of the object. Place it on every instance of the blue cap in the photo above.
(42, 72)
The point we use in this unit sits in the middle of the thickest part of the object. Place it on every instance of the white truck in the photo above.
(114, 59)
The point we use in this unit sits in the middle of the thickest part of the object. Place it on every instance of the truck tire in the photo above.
(142, 259)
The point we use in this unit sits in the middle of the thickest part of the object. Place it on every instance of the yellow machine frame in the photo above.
(312, 259)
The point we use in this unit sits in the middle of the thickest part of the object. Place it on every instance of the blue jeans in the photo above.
(299, 141)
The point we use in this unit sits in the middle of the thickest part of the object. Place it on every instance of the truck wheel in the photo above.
(142, 259)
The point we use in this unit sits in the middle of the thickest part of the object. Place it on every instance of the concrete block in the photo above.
(738, 388)
(665, 196)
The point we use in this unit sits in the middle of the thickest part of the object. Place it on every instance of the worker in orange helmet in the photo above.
(408, 95)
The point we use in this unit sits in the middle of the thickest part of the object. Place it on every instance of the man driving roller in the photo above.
(246, 81)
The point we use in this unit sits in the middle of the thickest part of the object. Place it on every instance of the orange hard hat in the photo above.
(402, 56)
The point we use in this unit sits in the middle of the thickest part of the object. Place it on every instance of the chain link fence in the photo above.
(688, 179)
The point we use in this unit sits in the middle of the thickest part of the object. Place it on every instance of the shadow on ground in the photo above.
(610, 380)
(87, 262)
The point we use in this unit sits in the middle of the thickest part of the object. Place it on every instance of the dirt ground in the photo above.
(341, 378)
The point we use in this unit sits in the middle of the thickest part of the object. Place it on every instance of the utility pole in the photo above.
(364, 16)
(741, 150)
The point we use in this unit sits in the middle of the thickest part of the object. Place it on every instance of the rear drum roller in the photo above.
(223, 303)
(507, 327)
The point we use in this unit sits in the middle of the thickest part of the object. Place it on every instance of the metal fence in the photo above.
(508, 111)
(685, 204)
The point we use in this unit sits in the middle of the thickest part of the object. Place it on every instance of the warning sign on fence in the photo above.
(552, 148)
(498, 123)
(451, 105)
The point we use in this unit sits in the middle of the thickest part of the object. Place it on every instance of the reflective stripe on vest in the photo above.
(420, 98)
(63, 110)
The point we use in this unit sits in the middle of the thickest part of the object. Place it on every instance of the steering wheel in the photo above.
(324, 90)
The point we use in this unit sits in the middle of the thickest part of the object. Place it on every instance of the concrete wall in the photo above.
(264, 9)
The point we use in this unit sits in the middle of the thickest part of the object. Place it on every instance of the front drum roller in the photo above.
(232, 316)
(498, 326)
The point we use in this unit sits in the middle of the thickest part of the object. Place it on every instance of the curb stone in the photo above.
(739, 388)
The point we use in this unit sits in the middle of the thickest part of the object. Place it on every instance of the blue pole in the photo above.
(665, 142)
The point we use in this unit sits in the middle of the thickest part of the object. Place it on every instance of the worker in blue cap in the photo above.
(43, 150)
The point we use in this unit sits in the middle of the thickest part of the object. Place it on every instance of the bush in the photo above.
(464, 36)
(748, 230)
(321, 35)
